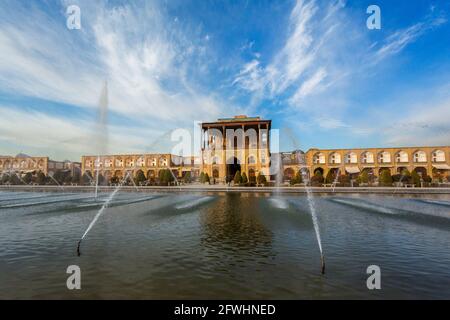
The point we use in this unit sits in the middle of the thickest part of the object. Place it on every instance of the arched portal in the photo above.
(318, 171)
(421, 171)
(233, 166)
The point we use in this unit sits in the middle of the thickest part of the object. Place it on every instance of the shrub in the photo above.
(86, 179)
(167, 177)
(60, 176)
(317, 179)
(14, 179)
(5, 179)
(297, 179)
(344, 180)
(415, 179)
(202, 177)
(115, 180)
(244, 179)
(40, 178)
(101, 179)
(386, 178)
(28, 177)
(330, 177)
(261, 179)
(363, 177)
(139, 178)
(237, 177)
(207, 180)
(187, 177)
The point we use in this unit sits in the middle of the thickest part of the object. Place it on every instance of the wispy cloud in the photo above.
(309, 59)
(145, 56)
(397, 41)
(309, 86)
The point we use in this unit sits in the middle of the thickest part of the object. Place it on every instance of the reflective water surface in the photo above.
(223, 246)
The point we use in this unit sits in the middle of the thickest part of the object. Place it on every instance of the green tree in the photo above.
(59, 176)
(101, 179)
(76, 178)
(317, 179)
(115, 180)
(5, 178)
(168, 176)
(427, 179)
(261, 179)
(14, 179)
(405, 173)
(187, 177)
(363, 177)
(330, 177)
(237, 177)
(68, 179)
(207, 180)
(139, 178)
(415, 178)
(244, 179)
(202, 177)
(344, 180)
(40, 178)
(252, 179)
(86, 179)
(385, 178)
(28, 177)
(297, 178)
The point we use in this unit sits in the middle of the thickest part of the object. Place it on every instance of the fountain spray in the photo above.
(101, 130)
(100, 212)
(311, 205)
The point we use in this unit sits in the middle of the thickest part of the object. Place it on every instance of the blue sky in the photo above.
(313, 67)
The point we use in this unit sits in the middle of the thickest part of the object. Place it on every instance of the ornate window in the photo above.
(140, 162)
(319, 158)
(108, 163)
(384, 157)
(401, 157)
(438, 156)
(367, 157)
(119, 162)
(335, 158)
(351, 157)
(163, 162)
(420, 156)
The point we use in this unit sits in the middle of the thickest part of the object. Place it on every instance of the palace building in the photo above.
(23, 164)
(431, 161)
(130, 164)
(235, 144)
(242, 144)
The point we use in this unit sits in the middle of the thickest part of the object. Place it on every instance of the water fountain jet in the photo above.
(100, 212)
(312, 208)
